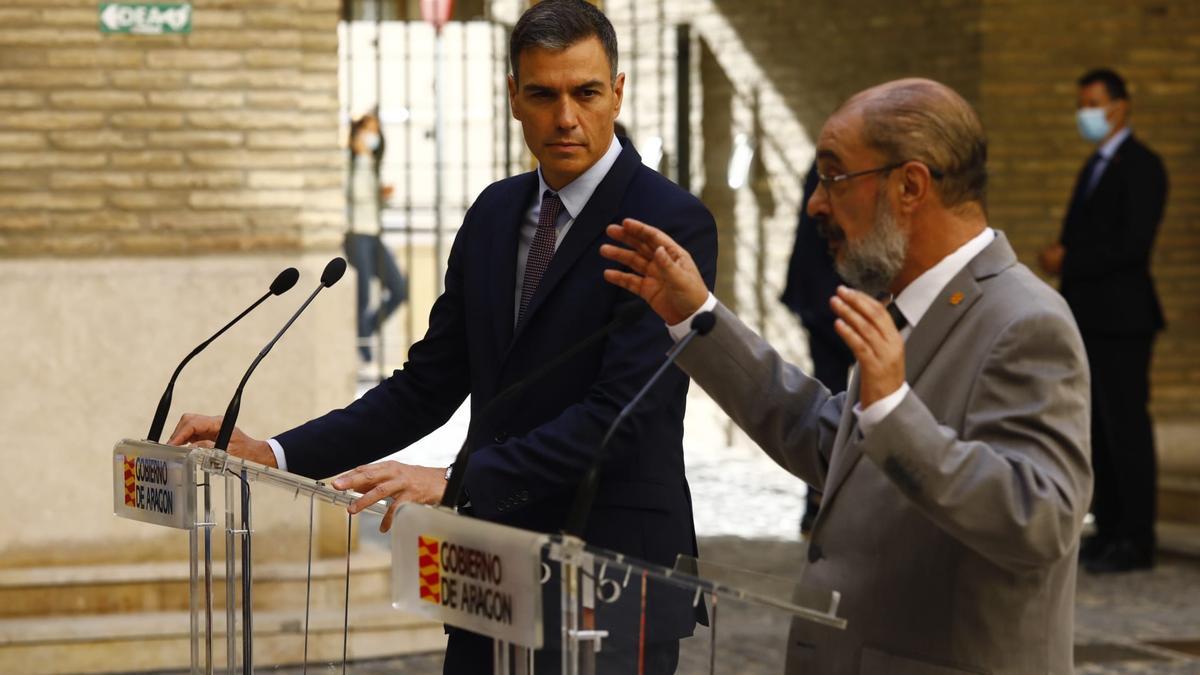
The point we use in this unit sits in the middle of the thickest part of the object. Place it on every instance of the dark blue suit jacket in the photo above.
(1109, 238)
(539, 446)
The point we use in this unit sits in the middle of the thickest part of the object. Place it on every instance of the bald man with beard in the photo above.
(955, 470)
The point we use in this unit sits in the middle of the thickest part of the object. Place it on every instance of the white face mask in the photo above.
(371, 140)
(1093, 124)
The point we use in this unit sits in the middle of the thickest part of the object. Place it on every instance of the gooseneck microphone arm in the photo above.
(577, 518)
(623, 317)
(283, 283)
(333, 271)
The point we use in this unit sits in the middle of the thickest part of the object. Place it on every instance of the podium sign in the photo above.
(154, 484)
(468, 573)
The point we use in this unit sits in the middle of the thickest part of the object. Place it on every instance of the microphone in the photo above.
(333, 271)
(623, 316)
(577, 519)
(283, 283)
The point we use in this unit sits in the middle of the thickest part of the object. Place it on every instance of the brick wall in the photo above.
(1017, 61)
(1032, 55)
(222, 139)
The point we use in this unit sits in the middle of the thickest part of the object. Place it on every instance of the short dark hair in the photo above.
(558, 24)
(1114, 84)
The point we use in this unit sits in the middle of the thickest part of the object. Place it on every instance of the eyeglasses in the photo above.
(829, 181)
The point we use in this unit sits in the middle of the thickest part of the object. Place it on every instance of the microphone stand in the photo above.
(454, 486)
(332, 273)
(582, 506)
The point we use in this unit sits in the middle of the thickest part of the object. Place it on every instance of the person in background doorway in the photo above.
(1103, 259)
(811, 281)
(364, 246)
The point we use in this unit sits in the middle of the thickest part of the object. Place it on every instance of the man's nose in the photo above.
(567, 116)
(818, 203)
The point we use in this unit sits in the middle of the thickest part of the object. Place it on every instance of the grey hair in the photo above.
(558, 24)
(923, 120)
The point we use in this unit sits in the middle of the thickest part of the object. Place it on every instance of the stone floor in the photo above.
(1142, 622)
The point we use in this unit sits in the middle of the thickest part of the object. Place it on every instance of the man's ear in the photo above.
(1120, 111)
(915, 183)
(512, 97)
(618, 94)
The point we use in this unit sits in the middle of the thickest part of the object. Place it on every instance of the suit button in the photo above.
(500, 437)
(814, 552)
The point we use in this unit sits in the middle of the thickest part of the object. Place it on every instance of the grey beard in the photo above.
(871, 264)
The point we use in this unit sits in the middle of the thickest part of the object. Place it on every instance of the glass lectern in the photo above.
(550, 603)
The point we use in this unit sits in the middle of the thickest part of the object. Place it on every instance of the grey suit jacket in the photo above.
(952, 529)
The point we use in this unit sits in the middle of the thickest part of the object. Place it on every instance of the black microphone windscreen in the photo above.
(704, 322)
(284, 282)
(333, 271)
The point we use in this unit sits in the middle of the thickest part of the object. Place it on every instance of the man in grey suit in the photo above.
(955, 470)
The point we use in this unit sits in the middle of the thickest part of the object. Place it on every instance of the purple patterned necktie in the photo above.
(541, 251)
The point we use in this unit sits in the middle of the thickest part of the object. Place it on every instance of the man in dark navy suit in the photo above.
(523, 284)
(1103, 257)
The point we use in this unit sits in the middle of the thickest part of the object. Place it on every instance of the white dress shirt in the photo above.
(914, 301)
(574, 196)
(1106, 153)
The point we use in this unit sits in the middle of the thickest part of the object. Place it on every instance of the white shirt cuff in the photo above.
(280, 459)
(679, 330)
(875, 413)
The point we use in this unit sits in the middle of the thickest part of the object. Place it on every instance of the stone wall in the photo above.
(1017, 61)
(1032, 55)
(150, 188)
(224, 139)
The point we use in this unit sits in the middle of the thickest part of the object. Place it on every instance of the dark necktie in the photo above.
(540, 251)
(897, 316)
(1083, 187)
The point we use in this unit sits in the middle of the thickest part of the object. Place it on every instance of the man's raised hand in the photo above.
(660, 272)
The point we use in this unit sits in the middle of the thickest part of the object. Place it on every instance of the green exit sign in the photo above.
(146, 18)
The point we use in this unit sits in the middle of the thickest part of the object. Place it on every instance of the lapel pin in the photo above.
(956, 298)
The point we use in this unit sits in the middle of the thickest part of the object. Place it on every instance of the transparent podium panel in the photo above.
(621, 615)
(269, 558)
(283, 580)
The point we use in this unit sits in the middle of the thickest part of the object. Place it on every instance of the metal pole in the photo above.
(508, 141)
(208, 578)
(437, 162)
(683, 106)
(497, 92)
(230, 575)
(409, 254)
(247, 579)
(193, 595)
(208, 573)
(633, 70)
(380, 253)
(465, 111)
(662, 87)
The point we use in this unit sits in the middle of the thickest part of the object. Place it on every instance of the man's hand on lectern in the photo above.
(660, 271)
(401, 482)
(202, 430)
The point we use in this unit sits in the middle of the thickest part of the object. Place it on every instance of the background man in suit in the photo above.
(955, 470)
(1103, 257)
(811, 281)
(524, 284)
